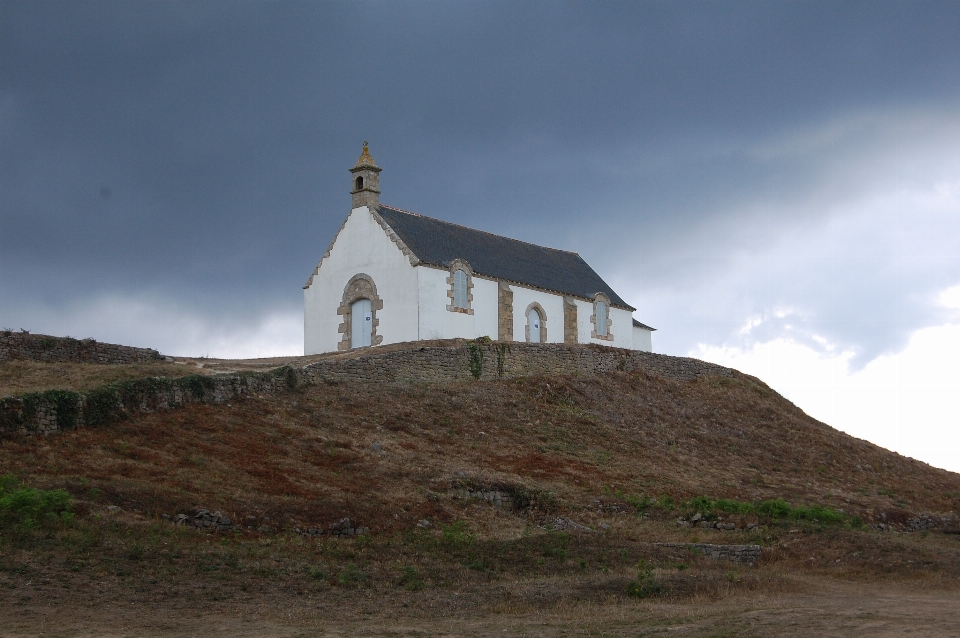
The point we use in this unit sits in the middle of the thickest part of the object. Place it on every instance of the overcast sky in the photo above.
(774, 185)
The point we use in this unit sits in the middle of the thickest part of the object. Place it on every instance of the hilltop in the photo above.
(557, 483)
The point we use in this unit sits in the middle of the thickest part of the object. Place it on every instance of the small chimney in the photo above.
(366, 181)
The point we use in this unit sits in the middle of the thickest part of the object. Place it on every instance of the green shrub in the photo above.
(531, 498)
(27, 508)
(197, 384)
(700, 504)
(66, 403)
(476, 360)
(555, 545)
(501, 350)
(103, 406)
(478, 565)
(410, 579)
(641, 503)
(350, 576)
(645, 584)
(774, 509)
(456, 534)
(816, 513)
(778, 508)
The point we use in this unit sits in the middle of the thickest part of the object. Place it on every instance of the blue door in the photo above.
(361, 323)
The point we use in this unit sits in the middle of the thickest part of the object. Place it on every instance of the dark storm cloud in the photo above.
(199, 150)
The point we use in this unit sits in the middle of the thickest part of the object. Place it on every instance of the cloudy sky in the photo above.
(775, 185)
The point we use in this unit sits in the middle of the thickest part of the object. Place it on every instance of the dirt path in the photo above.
(829, 609)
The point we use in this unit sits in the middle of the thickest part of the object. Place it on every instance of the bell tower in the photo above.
(366, 181)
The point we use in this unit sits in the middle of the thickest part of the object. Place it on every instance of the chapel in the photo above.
(393, 276)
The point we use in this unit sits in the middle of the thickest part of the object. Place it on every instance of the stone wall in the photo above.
(47, 412)
(435, 364)
(57, 410)
(740, 554)
(26, 346)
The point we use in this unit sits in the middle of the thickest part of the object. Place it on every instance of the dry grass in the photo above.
(308, 459)
(20, 377)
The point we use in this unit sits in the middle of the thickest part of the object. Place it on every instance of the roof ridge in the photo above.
(477, 230)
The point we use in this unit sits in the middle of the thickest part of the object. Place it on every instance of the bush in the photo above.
(26, 508)
(643, 503)
(456, 534)
(531, 498)
(65, 403)
(476, 360)
(645, 585)
(775, 509)
(350, 575)
(778, 508)
(410, 579)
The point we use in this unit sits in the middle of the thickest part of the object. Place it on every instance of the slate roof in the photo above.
(438, 242)
(637, 324)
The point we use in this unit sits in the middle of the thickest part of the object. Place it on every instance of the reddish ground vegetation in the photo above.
(308, 457)
(390, 456)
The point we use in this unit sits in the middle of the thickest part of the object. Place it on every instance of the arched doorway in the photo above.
(361, 323)
(359, 308)
(534, 320)
(536, 328)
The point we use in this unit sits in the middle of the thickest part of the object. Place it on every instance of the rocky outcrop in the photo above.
(342, 528)
(903, 521)
(205, 519)
(697, 520)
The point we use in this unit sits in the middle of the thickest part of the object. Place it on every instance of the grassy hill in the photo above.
(625, 454)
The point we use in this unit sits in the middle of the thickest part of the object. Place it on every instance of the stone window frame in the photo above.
(360, 286)
(601, 298)
(543, 322)
(455, 265)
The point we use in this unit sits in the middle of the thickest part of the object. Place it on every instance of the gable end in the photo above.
(386, 229)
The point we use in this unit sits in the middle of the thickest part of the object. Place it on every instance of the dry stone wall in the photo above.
(57, 410)
(437, 364)
(48, 412)
(25, 346)
(740, 554)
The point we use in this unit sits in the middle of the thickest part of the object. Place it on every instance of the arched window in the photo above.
(460, 284)
(601, 314)
(359, 183)
(533, 324)
(460, 289)
(361, 323)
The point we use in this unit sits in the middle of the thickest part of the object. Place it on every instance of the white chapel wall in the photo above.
(552, 305)
(622, 328)
(361, 247)
(642, 339)
(436, 322)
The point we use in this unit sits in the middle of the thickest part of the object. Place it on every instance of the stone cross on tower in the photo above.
(366, 181)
